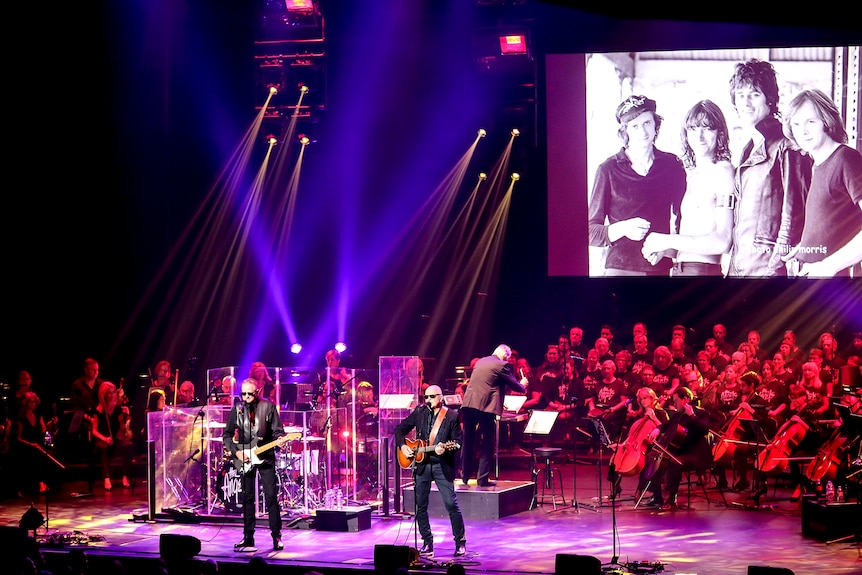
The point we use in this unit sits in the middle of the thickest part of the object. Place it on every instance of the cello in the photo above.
(829, 457)
(732, 433)
(666, 445)
(776, 455)
(630, 456)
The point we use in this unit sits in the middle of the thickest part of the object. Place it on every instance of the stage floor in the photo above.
(707, 539)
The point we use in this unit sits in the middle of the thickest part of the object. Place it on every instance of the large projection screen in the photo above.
(584, 90)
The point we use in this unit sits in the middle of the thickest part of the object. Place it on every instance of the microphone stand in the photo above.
(201, 463)
(415, 491)
(612, 474)
(573, 404)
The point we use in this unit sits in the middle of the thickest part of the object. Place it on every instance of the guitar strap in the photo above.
(437, 422)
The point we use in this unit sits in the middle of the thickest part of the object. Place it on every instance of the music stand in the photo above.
(755, 438)
(512, 404)
(541, 422)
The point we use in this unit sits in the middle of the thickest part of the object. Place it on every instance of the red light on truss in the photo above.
(513, 44)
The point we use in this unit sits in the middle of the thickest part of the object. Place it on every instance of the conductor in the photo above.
(482, 406)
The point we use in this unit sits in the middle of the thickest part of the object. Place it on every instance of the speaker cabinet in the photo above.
(758, 570)
(178, 547)
(580, 564)
(388, 558)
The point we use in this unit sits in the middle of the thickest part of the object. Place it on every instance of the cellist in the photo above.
(722, 405)
(651, 414)
(758, 409)
(684, 436)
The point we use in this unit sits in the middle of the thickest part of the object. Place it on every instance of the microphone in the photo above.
(428, 405)
(192, 456)
(631, 400)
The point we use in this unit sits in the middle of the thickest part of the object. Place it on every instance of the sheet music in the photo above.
(514, 403)
(541, 422)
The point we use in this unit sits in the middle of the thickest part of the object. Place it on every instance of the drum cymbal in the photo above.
(293, 429)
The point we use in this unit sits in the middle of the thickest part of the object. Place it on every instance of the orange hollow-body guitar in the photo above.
(420, 447)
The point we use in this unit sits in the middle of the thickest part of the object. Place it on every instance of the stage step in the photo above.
(503, 499)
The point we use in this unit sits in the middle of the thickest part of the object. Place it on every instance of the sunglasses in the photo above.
(248, 394)
(431, 396)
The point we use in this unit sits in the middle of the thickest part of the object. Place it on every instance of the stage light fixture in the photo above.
(299, 5)
(296, 348)
(271, 140)
(482, 132)
(303, 88)
(340, 347)
(303, 139)
(273, 89)
(483, 176)
(513, 44)
(516, 176)
(516, 132)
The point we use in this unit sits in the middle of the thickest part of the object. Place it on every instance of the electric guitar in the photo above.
(254, 450)
(420, 447)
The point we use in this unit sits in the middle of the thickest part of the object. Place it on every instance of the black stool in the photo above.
(547, 474)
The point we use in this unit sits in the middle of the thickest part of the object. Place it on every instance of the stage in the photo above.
(707, 539)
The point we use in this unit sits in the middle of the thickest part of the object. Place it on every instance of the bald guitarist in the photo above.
(438, 438)
(252, 425)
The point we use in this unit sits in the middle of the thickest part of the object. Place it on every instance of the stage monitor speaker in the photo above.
(580, 564)
(13, 541)
(178, 547)
(758, 570)
(388, 558)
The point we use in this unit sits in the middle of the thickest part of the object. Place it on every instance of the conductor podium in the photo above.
(504, 499)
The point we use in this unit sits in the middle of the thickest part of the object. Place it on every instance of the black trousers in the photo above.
(266, 472)
(480, 430)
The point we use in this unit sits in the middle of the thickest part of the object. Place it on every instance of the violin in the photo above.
(828, 459)
(732, 432)
(124, 418)
(776, 456)
(630, 456)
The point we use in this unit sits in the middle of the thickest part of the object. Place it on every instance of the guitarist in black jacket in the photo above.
(256, 424)
(432, 457)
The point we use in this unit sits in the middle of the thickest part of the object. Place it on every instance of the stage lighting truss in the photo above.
(291, 19)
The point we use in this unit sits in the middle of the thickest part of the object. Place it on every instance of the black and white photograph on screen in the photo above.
(685, 163)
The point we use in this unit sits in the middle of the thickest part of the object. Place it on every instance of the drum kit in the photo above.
(298, 468)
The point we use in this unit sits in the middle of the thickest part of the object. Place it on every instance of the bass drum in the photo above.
(229, 488)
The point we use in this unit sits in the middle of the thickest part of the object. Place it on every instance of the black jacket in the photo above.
(267, 427)
(450, 431)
